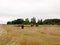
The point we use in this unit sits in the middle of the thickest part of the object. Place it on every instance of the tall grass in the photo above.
(42, 35)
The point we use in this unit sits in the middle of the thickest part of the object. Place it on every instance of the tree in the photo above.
(33, 20)
(19, 21)
(26, 21)
(14, 22)
(40, 22)
(9, 22)
(51, 21)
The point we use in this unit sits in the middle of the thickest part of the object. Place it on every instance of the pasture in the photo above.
(42, 35)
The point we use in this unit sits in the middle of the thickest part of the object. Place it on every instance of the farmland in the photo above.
(42, 35)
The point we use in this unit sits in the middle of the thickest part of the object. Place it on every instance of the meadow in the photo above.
(41, 35)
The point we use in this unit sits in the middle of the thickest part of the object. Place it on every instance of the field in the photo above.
(42, 35)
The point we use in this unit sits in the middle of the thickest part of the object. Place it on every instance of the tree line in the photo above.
(34, 22)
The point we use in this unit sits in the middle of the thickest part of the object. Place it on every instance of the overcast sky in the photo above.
(41, 9)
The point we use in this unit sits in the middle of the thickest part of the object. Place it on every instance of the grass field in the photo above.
(42, 35)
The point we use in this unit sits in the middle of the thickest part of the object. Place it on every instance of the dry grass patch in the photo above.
(42, 35)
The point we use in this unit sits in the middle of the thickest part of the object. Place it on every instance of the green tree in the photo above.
(14, 22)
(26, 21)
(40, 22)
(18, 21)
(51, 21)
(9, 22)
(33, 20)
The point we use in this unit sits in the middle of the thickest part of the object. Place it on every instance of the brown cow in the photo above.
(22, 26)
